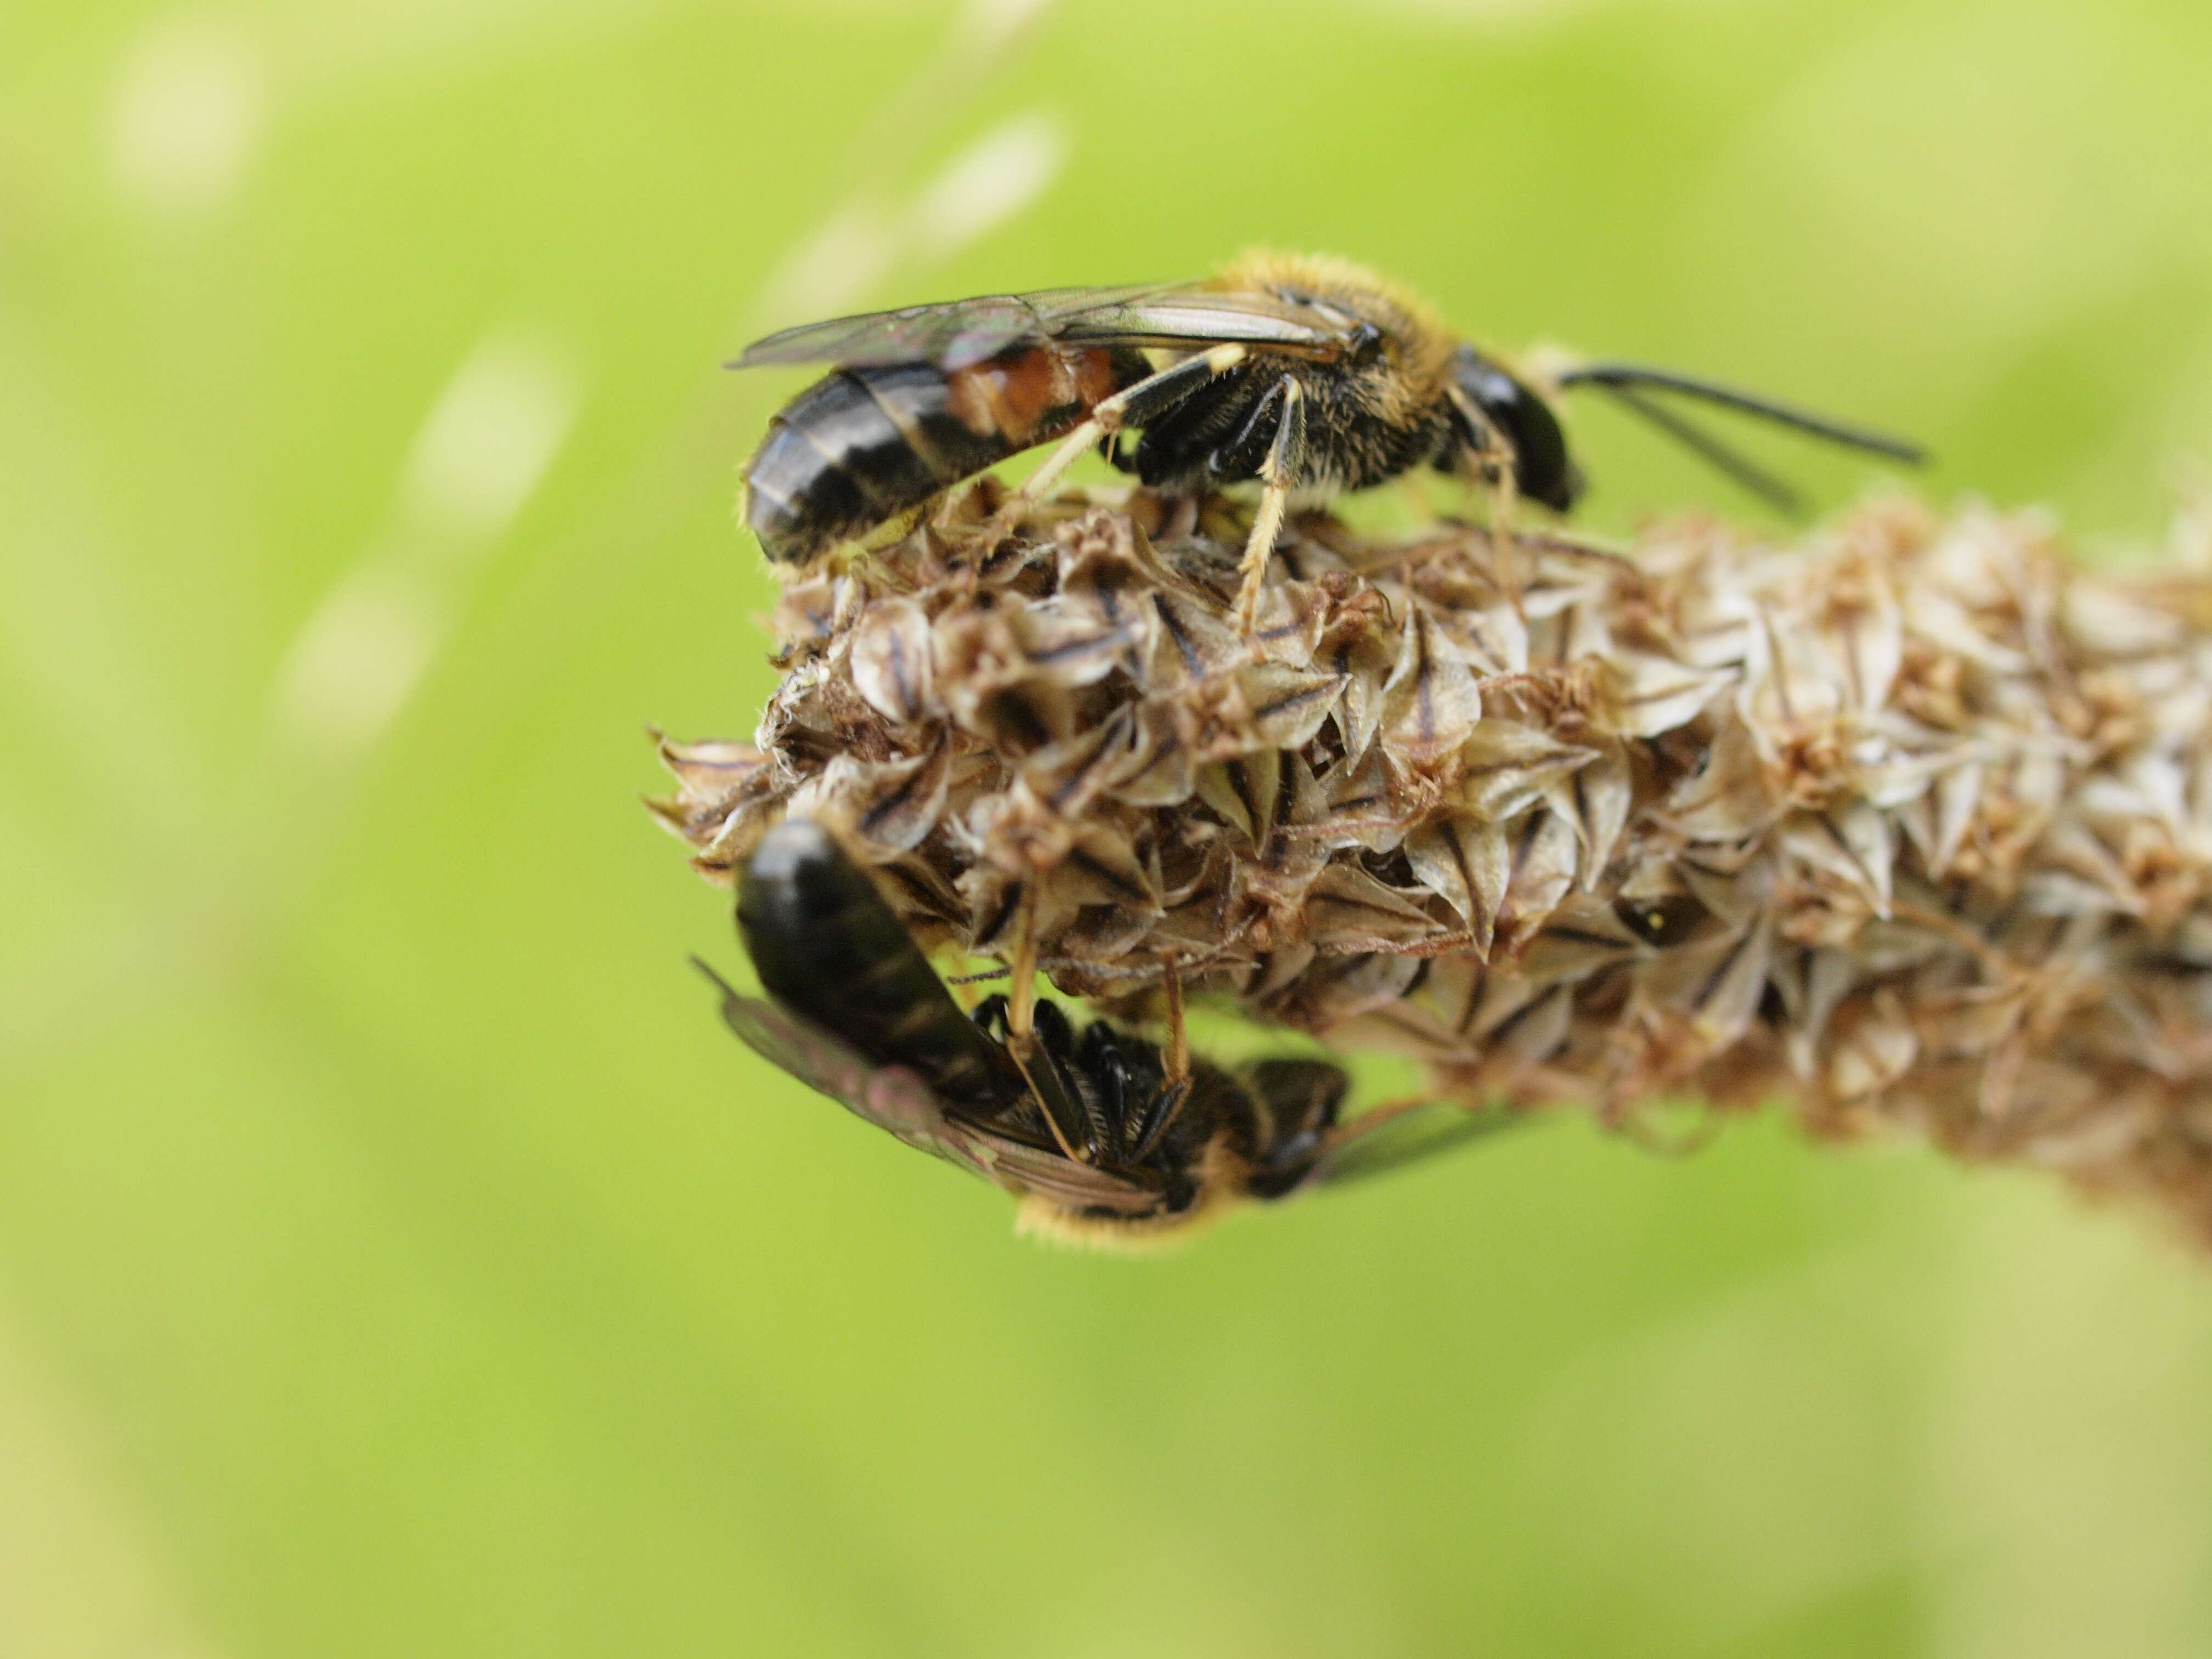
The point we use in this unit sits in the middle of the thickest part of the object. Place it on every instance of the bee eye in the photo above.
(1543, 470)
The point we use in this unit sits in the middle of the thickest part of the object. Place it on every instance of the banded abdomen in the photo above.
(827, 946)
(868, 442)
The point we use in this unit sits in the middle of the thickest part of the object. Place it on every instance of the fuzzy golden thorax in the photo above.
(1416, 345)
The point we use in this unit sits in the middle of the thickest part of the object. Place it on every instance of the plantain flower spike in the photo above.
(1906, 821)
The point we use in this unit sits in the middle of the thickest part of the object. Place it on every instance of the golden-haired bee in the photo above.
(1104, 1135)
(1311, 375)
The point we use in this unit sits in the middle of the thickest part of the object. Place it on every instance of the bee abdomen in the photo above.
(869, 442)
(827, 946)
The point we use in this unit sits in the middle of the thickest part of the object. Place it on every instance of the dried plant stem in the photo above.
(1908, 822)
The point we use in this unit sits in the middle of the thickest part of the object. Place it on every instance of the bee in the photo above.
(1105, 1136)
(1311, 375)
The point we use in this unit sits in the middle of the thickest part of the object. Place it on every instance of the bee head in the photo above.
(1543, 471)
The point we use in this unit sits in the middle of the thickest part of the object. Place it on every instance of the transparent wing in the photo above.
(893, 1098)
(889, 1096)
(979, 327)
(959, 332)
(1024, 1167)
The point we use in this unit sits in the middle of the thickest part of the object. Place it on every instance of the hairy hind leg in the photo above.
(1146, 400)
(1285, 456)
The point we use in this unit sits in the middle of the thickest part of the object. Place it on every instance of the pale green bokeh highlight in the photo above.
(395, 1255)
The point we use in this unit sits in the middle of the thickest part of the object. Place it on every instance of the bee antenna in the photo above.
(1715, 454)
(1622, 378)
(1386, 1138)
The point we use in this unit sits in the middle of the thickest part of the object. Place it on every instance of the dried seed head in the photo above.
(1909, 821)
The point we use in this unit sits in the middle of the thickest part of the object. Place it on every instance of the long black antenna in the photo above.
(1623, 379)
(1422, 1133)
(1694, 437)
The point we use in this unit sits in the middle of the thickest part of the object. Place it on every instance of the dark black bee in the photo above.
(1102, 1133)
(1311, 375)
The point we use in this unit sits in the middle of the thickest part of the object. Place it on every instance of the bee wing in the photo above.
(889, 1096)
(974, 329)
(959, 332)
(893, 1098)
(1386, 1139)
(1022, 1168)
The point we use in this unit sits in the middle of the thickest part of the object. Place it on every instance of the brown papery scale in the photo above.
(1907, 822)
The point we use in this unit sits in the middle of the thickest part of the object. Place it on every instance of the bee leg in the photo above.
(1159, 1113)
(1134, 405)
(1157, 1117)
(1506, 546)
(1063, 1114)
(1040, 1068)
(1021, 987)
(1178, 1049)
(1488, 461)
(1285, 456)
(1070, 1124)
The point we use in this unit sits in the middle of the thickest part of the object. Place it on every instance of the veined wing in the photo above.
(892, 1097)
(889, 1096)
(1197, 317)
(977, 328)
(960, 332)
(1022, 1168)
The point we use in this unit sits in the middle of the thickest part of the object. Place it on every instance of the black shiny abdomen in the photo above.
(866, 443)
(836, 464)
(827, 946)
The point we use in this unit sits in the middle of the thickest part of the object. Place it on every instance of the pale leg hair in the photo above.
(1285, 457)
(1152, 396)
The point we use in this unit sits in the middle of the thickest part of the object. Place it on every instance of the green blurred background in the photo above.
(397, 1257)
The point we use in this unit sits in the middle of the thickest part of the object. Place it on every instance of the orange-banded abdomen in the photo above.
(868, 442)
